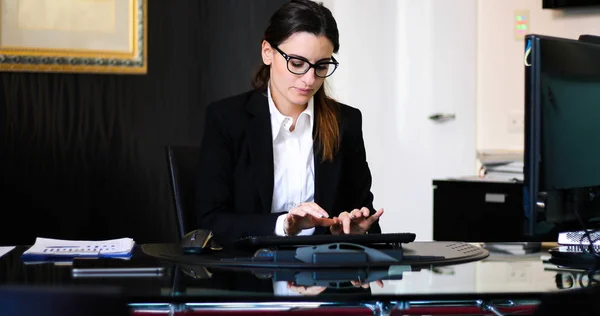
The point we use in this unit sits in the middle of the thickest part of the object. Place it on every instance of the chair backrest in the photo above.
(61, 301)
(183, 161)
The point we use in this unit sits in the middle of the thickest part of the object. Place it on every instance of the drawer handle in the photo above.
(495, 198)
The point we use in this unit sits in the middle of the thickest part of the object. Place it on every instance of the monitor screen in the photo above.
(553, 4)
(562, 133)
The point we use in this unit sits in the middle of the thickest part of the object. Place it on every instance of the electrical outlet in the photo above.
(518, 272)
(516, 122)
(522, 24)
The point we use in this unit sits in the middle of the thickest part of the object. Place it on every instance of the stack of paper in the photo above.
(45, 248)
(499, 164)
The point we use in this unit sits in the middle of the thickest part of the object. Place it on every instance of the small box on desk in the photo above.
(478, 210)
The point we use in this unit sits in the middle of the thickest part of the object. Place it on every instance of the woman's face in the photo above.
(288, 87)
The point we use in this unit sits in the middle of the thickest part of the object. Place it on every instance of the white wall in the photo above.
(367, 80)
(500, 70)
(401, 61)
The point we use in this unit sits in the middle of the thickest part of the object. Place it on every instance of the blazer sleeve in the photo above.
(357, 175)
(214, 190)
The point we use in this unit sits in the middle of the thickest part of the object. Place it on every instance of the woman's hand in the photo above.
(315, 290)
(305, 290)
(306, 215)
(367, 285)
(356, 222)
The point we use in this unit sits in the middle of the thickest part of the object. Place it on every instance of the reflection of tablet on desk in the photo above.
(365, 240)
(113, 267)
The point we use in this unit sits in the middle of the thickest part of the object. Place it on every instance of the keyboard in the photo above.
(365, 240)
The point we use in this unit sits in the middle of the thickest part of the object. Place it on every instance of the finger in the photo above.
(294, 222)
(336, 229)
(355, 214)
(379, 283)
(325, 222)
(362, 214)
(346, 223)
(298, 289)
(315, 207)
(294, 216)
(297, 212)
(343, 221)
(314, 290)
(365, 212)
(294, 288)
(308, 210)
(290, 219)
(358, 284)
(375, 217)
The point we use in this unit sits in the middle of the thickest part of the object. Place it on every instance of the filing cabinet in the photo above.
(476, 210)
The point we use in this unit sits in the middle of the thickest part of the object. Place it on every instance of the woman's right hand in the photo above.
(316, 290)
(305, 290)
(306, 215)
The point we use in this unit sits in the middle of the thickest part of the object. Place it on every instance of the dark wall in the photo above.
(82, 156)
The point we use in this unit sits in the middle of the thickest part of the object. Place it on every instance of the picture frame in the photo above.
(78, 36)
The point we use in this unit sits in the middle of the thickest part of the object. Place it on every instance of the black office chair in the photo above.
(61, 301)
(183, 161)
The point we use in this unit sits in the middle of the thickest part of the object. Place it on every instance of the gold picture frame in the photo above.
(81, 36)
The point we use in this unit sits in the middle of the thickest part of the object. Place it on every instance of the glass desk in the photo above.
(498, 284)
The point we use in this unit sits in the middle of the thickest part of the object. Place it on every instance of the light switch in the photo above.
(522, 24)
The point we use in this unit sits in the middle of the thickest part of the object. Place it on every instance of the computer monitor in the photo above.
(556, 4)
(562, 135)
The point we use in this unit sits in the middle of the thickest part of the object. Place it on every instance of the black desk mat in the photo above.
(417, 254)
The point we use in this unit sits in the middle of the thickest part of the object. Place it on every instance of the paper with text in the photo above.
(5, 250)
(75, 248)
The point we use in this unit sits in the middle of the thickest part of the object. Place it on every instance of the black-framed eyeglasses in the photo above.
(300, 66)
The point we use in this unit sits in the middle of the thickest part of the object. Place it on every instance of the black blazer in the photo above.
(235, 178)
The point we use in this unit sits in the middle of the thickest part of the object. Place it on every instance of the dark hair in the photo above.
(311, 17)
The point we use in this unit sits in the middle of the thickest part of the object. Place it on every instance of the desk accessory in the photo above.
(50, 249)
(199, 241)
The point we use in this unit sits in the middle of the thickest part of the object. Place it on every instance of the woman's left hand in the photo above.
(367, 285)
(356, 222)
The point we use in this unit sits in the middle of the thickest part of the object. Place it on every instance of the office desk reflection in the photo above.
(503, 283)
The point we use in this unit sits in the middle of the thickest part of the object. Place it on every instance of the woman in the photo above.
(284, 159)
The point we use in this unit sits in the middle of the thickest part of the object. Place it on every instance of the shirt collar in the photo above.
(278, 120)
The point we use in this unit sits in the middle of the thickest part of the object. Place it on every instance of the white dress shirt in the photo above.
(293, 162)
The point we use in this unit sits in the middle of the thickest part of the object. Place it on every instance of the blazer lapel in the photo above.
(327, 174)
(261, 146)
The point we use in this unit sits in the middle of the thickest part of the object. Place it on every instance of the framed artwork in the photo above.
(87, 36)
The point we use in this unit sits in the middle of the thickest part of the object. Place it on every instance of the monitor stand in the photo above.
(594, 39)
